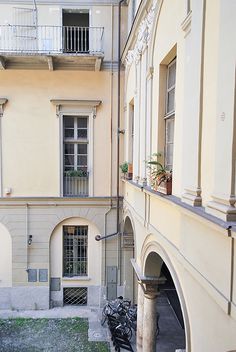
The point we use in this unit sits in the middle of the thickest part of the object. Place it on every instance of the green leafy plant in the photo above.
(124, 167)
(158, 172)
(76, 173)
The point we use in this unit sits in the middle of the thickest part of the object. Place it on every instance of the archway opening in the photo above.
(127, 273)
(170, 334)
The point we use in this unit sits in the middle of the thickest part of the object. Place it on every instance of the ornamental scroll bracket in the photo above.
(143, 37)
(3, 101)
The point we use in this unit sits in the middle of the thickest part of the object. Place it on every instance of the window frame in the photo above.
(78, 111)
(75, 141)
(75, 246)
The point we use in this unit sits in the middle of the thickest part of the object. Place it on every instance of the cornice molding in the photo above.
(62, 2)
(88, 103)
(143, 37)
(143, 27)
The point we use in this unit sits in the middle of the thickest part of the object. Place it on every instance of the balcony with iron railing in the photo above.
(51, 47)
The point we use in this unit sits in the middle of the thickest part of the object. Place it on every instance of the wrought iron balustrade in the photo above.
(75, 186)
(51, 39)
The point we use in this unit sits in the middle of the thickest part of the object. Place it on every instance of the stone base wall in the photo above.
(24, 298)
(35, 298)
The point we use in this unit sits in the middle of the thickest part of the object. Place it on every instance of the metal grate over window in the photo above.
(75, 244)
(75, 296)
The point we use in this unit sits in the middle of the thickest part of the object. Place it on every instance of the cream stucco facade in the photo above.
(192, 231)
(176, 87)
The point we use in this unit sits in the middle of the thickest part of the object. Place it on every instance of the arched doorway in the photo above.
(75, 264)
(127, 253)
(163, 326)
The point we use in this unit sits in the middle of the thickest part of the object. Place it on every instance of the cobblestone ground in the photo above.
(47, 335)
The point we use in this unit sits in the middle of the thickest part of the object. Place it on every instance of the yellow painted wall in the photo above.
(30, 128)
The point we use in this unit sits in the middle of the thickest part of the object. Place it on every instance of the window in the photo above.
(75, 156)
(76, 143)
(131, 130)
(170, 114)
(75, 248)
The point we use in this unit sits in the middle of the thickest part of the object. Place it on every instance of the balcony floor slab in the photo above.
(51, 61)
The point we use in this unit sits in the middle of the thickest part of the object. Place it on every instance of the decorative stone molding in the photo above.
(3, 101)
(192, 198)
(186, 24)
(143, 36)
(89, 104)
(225, 210)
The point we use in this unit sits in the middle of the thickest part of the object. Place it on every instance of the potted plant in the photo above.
(160, 176)
(76, 173)
(124, 168)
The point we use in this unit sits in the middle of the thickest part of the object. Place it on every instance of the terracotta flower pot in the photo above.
(130, 172)
(164, 187)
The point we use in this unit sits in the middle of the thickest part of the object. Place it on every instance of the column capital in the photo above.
(150, 295)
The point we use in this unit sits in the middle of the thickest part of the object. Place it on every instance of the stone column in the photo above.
(149, 323)
(139, 334)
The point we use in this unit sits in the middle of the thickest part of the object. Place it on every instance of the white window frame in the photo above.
(77, 113)
(169, 115)
(76, 140)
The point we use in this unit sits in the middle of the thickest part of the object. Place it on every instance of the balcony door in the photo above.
(75, 156)
(75, 31)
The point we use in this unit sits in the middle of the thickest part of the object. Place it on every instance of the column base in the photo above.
(225, 212)
(192, 198)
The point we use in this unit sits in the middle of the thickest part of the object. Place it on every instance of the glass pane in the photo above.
(69, 122)
(82, 133)
(69, 148)
(170, 130)
(82, 160)
(171, 101)
(69, 160)
(82, 122)
(171, 75)
(169, 156)
(69, 133)
(82, 148)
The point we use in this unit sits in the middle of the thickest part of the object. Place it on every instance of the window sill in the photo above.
(76, 278)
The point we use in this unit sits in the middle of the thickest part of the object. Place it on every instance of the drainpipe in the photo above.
(118, 143)
(119, 131)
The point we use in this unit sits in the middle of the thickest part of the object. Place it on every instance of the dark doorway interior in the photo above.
(170, 291)
(75, 31)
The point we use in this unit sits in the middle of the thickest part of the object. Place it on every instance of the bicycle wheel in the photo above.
(124, 331)
(105, 313)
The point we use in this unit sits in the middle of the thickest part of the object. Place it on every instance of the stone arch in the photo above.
(5, 257)
(93, 215)
(154, 254)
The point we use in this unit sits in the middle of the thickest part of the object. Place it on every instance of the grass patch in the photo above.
(56, 335)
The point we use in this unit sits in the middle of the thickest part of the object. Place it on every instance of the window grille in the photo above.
(75, 245)
(75, 296)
